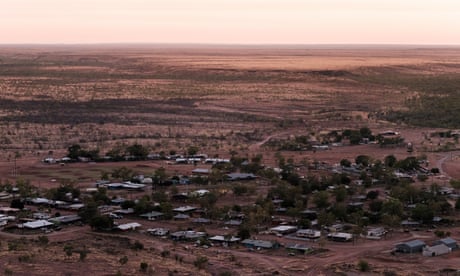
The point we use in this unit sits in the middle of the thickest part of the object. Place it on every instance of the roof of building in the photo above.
(184, 209)
(448, 240)
(152, 214)
(37, 224)
(283, 228)
(181, 216)
(413, 243)
(66, 219)
(219, 238)
(258, 243)
(129, 226)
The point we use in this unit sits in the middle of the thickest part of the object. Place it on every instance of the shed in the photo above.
(201, 221)
(129, 226)
(152, 215)
(410, 246)
(449, 242)
(298, 248)
(223, 239)
(436, 250)
(283, 229)
(36, 224)
(308, 233)
(181, 217)
(259, 244)
(342, 237)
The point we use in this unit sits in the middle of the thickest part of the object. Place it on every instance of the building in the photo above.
(308, 233)
(449, 242)
(340, 237)
(158, 231)
(240, 176)
(283, 229)
(129, 226)
(152, 215)
(260, 244)
(37, 224)
(413, 246)
(375, 233)
(187, 235)
(436, 250)
(224, 240)
(300, 248)
(65, 219)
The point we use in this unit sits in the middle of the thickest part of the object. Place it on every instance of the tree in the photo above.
(363, 160)
(457, 204)
(101, 223)
(390, 161)
(372, 194)
(88, 211)
(393, 207)
(423, 213)
(321, 199)
(17, 203)
(345, 163)
(74, 151)
(137, 150)
(244, 232)
(192, 150)
(365, 132)
(123, 260)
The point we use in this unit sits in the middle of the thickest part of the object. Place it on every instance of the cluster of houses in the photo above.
(439, 247)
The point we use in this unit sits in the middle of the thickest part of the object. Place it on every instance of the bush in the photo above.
(144, 266)
(200, 262)
(363, 266)
(123, 260)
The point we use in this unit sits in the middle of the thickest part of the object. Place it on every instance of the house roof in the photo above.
(152, 214)
(184, 209)
(181, 216)
(129, 226)
(37, 224)
(413, 243)
(66, 219)
(448, 240)
(283, 228)
(258, 243)
(219, 238)
(440, 248)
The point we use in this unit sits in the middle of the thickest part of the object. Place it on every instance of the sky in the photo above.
(230, 21)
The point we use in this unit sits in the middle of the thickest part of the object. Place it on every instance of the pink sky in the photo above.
(231, 21)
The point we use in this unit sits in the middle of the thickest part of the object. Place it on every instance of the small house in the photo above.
(413, 246)
(340, 237)
(308, 233)
(158, 231)
(300, 248)
(259, 244)
(436, 250)
(37, 224)
(129, 226)
(283, 229)
(449, 242)
(152, 215)
(224, 239)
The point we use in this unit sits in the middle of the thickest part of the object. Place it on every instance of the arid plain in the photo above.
(224, 101)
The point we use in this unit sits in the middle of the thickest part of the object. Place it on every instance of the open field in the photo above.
(224, 101)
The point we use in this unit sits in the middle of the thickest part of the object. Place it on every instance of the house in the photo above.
(184, 209)
(65, 219)
(436, 250)
(200, 193)
(158, 231)
(340, 237)
(409, 223)
(181, 217)
(449, 242)
(224, 240)
(283, 229)
(187, 235)
(41, 215)
(308, 233)
(233, 222)
(375, 233)
(152, 215)
(298, 248)
(260, 244)
(201, 221)
(413, 246)
(129, 226)
(36, 224)
(240, 176)
(201, 171)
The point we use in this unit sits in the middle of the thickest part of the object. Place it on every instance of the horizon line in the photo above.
(234, 44)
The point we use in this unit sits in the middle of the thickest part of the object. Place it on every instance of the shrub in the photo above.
(363, 266)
